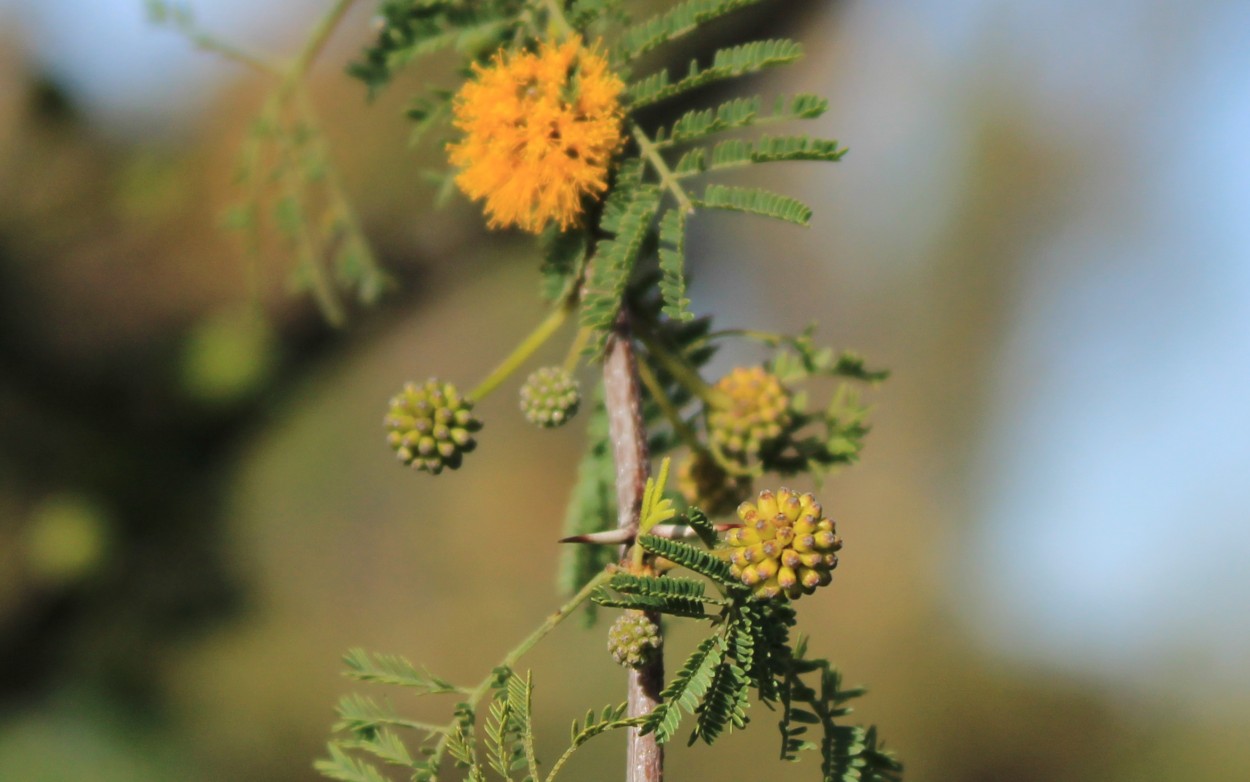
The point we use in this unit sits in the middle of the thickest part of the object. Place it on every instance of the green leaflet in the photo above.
(690, 558)
(361, 714)
(392, 669)
(384, 745)
(673, 23)
(345, 768)
(672, 254)
(727, 63)
(756, 201)
(666, 586)
(769, 149)
(675, 596)
(674, 606)
(739, 113)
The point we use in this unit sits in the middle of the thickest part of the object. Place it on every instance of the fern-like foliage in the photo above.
(672, 256)
(738, 113)
(344, 767)
(627, 216)
(509, 730)
(727, 63)
(393, 669)
(672, 24)
(674, 596)
(408, 29)
(757, 201)
(686, 689)
(848, 753)
(689, 557)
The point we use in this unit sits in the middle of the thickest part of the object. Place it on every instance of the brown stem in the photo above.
(645, 757)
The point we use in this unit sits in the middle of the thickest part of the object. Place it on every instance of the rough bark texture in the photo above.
(645, 757)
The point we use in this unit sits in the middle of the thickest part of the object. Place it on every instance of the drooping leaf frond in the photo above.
(725, 704)
(686, 689)
(849, 753)
(674, 23)
(628, 215)
(756, 201)
(727, 63)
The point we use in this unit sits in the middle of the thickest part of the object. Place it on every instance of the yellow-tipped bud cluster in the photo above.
(709, 487)
(755, 412)
(785, 545)
(550, 397)
(430, 425)
(633, 638)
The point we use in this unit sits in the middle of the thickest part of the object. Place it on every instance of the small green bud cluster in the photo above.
(550, 397)
(430, 426)
(633, 638)
(754, 413)
(785, 545)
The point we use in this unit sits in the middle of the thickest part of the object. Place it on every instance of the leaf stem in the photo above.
(682, 373)
(317, 39)
(522, 352)
(665, 404)
(511, 658)
(667, 178)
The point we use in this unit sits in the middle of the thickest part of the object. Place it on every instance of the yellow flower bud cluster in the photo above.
(430, 426)
(754, 413)
(633, 638)
(709, 487)
(550, 397)
(786, 545)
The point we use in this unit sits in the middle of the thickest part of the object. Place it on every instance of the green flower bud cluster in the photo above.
(550, 397)
(431, 425)
(786, 545)
(709, 487)
(754, 413)
(633, 638)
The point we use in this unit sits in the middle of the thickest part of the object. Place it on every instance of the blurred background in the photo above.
(1041, 228)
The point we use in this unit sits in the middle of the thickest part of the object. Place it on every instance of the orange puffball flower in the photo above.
(540, 129)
